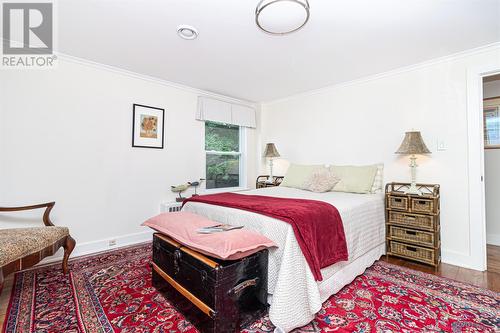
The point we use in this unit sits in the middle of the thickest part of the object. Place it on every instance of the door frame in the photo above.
(475, 123)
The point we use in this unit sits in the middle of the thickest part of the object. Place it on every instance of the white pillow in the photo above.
(354, 179)
(321, 180)
(378, 182)
(297, 174)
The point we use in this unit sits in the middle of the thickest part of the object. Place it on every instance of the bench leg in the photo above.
(69, 245)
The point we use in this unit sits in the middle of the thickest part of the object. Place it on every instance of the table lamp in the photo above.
(413, 144)
(271, 152)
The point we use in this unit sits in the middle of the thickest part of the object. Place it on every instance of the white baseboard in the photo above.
(102, 245)
(81, 249)
(493, 239)
(466, 260)
(459, 259)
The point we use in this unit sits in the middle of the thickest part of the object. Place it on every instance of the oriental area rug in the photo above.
(112, 292)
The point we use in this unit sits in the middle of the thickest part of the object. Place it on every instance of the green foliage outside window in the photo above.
(222, 137)
(222, 170)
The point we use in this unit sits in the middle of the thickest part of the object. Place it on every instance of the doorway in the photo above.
(491, 121)
(477, 256)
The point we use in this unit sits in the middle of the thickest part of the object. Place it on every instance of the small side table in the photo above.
(413, 228)
(261, 181)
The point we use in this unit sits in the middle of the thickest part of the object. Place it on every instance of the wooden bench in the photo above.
(21, 248)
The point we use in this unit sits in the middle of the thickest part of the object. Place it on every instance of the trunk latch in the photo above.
(177, 259)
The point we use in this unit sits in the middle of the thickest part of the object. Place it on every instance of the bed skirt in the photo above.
(346, 274)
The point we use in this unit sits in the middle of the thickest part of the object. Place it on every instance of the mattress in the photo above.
(295, 296)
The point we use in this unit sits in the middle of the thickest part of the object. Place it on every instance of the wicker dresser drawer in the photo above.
(419, 205)
(414, 252)
(412, 220)
(418, 237)
(395, 202)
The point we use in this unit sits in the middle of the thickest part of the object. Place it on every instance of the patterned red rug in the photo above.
(112, 292)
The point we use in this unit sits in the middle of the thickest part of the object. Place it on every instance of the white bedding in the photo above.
(295, 296)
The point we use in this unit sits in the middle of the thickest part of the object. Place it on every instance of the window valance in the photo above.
(210, 109)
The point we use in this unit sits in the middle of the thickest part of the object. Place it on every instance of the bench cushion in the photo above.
(20, 242)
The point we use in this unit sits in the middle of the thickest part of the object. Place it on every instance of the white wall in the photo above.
(65, 135)
(492, 178)
(364, 122)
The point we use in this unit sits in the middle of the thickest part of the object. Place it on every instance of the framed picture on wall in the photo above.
(148, 126)
(491, 114)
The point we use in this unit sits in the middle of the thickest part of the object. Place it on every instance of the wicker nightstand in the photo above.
(412, 223)
(261, 181)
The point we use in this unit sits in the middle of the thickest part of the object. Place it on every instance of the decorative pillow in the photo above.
(378, 182)
(321, 180)
(355, 179)
(297, 174)
(226, 245)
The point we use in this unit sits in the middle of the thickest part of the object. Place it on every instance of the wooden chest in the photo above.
(216, 296)
(412, 223)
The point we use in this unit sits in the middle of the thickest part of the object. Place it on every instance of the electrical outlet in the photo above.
(112, 242)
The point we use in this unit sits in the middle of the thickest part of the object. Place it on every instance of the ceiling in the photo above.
(343, 40)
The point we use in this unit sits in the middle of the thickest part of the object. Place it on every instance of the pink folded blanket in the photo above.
(226, 245)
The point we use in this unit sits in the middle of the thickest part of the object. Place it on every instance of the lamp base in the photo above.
(413, 190)
(270, 178)
(413, 186)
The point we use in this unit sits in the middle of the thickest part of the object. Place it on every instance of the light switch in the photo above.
(441, 145)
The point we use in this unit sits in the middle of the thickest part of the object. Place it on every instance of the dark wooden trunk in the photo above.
(217, 296)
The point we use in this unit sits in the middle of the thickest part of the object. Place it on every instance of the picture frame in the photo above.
(148, 123)
(491, 119)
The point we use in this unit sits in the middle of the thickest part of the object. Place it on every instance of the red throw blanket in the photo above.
(317, 225)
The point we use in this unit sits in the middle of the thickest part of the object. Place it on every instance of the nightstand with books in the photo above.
(263, 181)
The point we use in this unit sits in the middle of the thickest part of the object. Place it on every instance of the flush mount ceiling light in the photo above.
(187, 32)
(280, 17)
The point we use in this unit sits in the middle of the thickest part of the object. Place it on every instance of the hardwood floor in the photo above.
(4, 298)
(489, 279)
(493, 258)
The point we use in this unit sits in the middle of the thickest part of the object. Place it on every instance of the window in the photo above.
(223, 155)
(492, 123)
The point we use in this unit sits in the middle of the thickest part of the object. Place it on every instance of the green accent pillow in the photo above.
(297, 174)
(355, 179)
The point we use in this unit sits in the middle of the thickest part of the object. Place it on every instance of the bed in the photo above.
(294, 295)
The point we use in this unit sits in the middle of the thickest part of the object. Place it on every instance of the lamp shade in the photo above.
(271, 151)
(413, 144)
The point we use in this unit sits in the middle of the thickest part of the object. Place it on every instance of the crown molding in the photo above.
(201, 92)
(118, 70)
(392, 72)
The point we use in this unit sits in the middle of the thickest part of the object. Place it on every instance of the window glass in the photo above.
(223, 155)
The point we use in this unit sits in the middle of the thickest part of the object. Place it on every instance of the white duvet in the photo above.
(295, 296)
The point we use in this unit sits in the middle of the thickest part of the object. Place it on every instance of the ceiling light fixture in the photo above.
(280, 17)
(187, 32)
